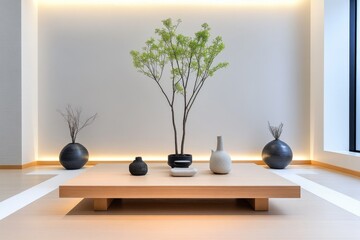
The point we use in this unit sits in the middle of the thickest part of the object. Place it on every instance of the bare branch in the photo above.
(72, 117)
(275, 130)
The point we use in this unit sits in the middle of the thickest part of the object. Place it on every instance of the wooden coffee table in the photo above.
(105, 182)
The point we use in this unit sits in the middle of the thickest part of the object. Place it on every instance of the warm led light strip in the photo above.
(172, 2)
(163, 158)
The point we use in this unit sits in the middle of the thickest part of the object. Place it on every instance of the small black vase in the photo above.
(138, 167)
(277, 154)
(179, 160)
(74, 156)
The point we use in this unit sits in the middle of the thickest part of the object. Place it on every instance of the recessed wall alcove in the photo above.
(80, 51)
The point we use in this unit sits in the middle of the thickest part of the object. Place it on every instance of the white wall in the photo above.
(330, 83)
(10, 78)
(244, 124)
(18, 75)
(84, 60)
(29, 76)
(336, 75)
(317, 78)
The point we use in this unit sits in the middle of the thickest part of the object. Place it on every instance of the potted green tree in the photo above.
(74, 155)
(190, 61)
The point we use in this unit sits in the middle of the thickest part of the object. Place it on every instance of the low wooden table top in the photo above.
(245, 180)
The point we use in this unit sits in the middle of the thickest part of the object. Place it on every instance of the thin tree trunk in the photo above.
(183, 136)
(175, 131)
(186, 111)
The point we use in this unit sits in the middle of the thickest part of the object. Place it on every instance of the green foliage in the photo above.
(179, 88)
(190, 61)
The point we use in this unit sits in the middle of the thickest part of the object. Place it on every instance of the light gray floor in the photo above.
(46, 216)
(15, 181)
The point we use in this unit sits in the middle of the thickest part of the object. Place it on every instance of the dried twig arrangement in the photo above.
(72, 117)
(276, 131)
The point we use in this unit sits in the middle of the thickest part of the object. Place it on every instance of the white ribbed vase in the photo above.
(220, 161)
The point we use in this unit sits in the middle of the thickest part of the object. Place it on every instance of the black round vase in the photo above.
(277, 154)
(138, 167)
(179, 160)
(74, 156)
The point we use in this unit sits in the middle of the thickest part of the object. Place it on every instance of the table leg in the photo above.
(259, 204)
(102, 204)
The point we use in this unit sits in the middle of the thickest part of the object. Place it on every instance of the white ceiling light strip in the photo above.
(172, 2)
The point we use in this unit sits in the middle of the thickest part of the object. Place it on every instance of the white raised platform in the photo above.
(105, 182)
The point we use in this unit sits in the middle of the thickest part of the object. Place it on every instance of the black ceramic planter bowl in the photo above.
(179, 160)
(138, 167)
(73, 156)
(277, 154)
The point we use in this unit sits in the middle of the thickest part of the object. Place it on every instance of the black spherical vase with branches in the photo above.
(277, 154)
(74, 155)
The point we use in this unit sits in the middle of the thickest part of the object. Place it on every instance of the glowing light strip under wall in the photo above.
(163, 158)
(173, 2)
